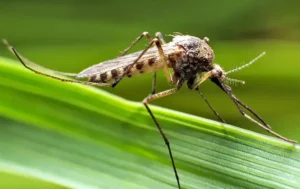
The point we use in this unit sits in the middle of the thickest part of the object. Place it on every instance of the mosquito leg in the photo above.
(158, 41)
(160, 95)
(57, 78)
(28, 62)
(267, 129)
(157, 96)
(210, 106)
(236, 101)
(250, 110)
(259, 124)
(153, 84)
(161, 55)
(164, 60)
(144, 34)
(134, 62)
(227, 89)
(159, 36)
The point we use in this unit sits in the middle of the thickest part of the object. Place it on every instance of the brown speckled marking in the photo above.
(178, 54)
(151, 61)
(172, 61)
(120, 72)
(139, 65)
(127, 71)
(114, 73)
(93, 78)
(103, 77)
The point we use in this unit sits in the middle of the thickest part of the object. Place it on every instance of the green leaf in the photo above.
(82, 137)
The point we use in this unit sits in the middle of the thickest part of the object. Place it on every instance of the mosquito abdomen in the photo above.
(116, 68)
(141, 67)
(107, 76)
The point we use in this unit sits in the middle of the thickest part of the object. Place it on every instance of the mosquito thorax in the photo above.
(198, 56)
(196, 49)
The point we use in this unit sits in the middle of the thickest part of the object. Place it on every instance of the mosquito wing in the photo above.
(122, 62)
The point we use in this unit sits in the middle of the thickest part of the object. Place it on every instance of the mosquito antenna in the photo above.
(210, 106)
(28, 62)
(246, 65)
(234, 81)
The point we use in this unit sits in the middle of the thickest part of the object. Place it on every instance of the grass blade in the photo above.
(83, 137)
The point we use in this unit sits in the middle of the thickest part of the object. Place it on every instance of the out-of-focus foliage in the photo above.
(72, 35)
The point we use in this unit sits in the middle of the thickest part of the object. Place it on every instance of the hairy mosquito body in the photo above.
(184, 59)
(186, 55)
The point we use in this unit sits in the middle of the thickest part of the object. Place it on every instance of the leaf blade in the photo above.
(73, 122)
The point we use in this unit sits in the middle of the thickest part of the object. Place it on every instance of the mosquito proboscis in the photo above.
(184, 59)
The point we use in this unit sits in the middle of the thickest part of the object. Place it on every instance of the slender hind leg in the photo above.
(144, 34)
(57, 78)
(152, 96)
(28, 62)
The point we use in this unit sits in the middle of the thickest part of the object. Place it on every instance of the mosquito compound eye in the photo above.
(220, 74)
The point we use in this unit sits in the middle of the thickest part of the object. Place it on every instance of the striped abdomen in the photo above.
(149, 62)
(145, 66)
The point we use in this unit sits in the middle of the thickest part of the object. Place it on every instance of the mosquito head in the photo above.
(218, 72)
(217, 75)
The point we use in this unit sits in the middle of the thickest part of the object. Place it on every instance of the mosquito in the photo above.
(185, 59)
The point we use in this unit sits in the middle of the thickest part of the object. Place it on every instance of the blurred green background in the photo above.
(72, 35)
